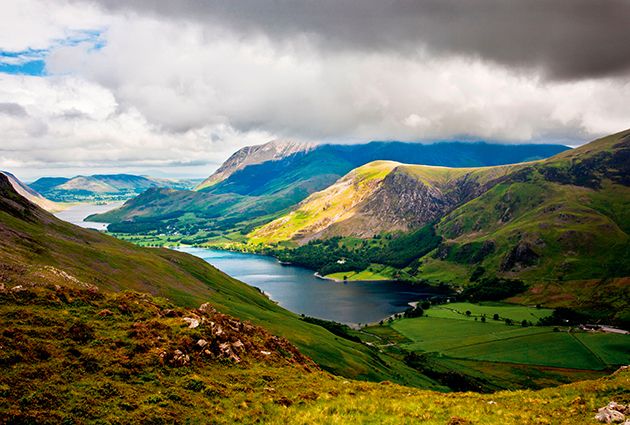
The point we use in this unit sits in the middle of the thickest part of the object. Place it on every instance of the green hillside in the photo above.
(36, 248)
(73, 354)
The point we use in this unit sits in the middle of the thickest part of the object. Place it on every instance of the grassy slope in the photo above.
(31, 239)
(336, 203)
(72, 355)
(579, 231)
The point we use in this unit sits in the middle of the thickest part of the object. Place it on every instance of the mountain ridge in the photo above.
(258, 193)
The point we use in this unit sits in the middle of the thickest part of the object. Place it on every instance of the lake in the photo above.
(77, 213)
(294, 288)
(298, 290)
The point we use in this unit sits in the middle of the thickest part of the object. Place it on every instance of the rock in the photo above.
(2, 287)
(18, 288)
(521, 256)
(105, 312)
(266, 353)
(170, 313)
(180, 359)
(207, 308)
(202, 343)
(609, 416)
(192, 322)
(622, 369)
(238, 345)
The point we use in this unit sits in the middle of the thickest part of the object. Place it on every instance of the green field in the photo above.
(461, 337)
(516, 313)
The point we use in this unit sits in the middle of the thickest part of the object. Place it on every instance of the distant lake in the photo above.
(77, 213)
(299, 291)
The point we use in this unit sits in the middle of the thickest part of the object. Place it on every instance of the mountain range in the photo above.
(101, 186)
(259, 183)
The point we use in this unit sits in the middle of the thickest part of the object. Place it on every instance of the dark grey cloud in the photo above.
(566, 39)
(12, 109)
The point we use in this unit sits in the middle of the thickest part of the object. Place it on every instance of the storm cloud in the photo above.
(566, 39)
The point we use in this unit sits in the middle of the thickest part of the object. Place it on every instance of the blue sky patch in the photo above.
(33, 61)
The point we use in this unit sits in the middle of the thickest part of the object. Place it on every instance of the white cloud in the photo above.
(38, 24)
(163, 93)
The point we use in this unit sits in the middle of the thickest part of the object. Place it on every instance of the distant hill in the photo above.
(102, 186)
(561, 224)
(30, 194)
(242, 196)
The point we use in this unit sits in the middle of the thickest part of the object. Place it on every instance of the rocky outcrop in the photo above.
(404, 202)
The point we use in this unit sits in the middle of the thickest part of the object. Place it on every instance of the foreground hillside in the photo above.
(257, 184)
(560, 225)
(75, 354)
(38, 249)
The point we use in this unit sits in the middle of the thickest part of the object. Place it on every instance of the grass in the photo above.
(374, 273)
(463, 338)
(517, 313)
(74, 355)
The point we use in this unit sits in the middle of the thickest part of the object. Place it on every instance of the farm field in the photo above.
(516, 313)
(448, 331)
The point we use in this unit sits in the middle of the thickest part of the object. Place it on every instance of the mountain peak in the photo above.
(249, 155)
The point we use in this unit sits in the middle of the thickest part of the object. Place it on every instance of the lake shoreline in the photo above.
(301, 291)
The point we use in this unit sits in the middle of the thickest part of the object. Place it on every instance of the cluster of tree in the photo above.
(337, 254)
(564, 316)
(493, 289)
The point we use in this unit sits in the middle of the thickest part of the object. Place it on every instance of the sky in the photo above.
(172, 88)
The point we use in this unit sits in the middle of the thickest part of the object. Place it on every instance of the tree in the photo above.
(483, 319)
(508, 322)
(495, 316)
(468, 313)
(524, 323)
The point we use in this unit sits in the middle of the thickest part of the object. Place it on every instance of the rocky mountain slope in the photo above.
(30, 194)
(382, 196)
(258, 192)
(102, 186)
